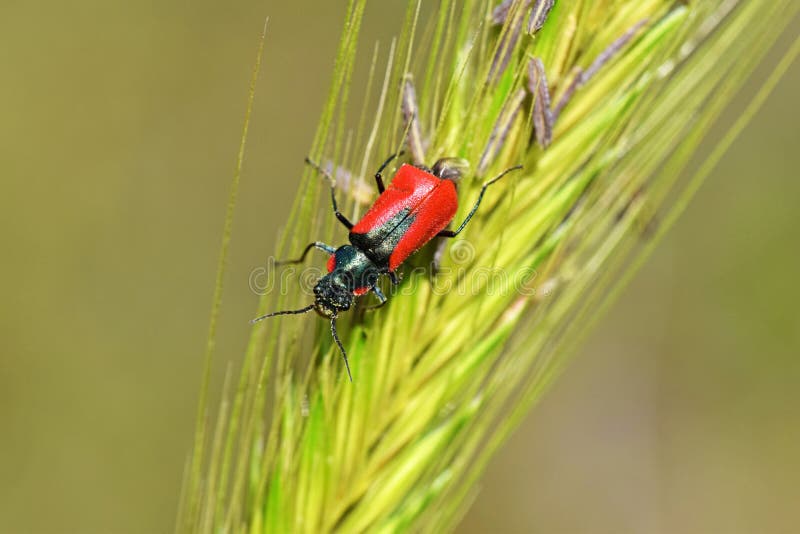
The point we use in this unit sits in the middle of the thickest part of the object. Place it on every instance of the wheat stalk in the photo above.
(603, 102)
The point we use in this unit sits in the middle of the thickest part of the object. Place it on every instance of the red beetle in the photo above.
(416, 207)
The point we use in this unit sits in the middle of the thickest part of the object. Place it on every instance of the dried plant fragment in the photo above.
(541, 9)
(500, 130)
(410, 110)
(345, 180)
(508, 42)
(543, 118)
(582, 77)
(500, 13)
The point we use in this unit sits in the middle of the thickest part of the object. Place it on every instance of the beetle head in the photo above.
(332, 294)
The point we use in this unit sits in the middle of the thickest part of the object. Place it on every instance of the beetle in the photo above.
(418, 205)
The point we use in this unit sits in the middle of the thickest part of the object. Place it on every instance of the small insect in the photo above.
(417, 206)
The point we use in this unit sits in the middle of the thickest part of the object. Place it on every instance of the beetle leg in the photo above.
(379, 176)
(316, 244)
(436, 262)
(394, 278)
(451, 233)
(381, 299)
(344, 220)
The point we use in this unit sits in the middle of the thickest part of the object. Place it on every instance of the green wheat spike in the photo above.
(446, 371)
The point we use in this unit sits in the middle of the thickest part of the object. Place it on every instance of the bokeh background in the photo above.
(120, 124)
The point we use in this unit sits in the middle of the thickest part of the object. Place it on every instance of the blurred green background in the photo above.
(121, 122)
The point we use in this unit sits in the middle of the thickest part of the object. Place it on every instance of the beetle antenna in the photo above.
(286, 312)
(341, 348)
(493, 180)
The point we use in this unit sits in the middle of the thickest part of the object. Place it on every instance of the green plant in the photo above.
(443, 377)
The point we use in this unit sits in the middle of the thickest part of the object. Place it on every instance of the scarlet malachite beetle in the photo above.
(416, 207)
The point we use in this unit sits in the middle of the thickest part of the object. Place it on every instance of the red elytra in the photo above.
(428, 201)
